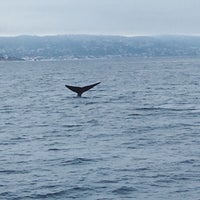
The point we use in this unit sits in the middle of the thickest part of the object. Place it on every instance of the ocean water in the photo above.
(134, 136)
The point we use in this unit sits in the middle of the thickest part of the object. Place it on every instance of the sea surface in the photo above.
(134, 136)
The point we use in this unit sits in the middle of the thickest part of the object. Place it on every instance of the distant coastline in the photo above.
(64, 47)
(8, 58)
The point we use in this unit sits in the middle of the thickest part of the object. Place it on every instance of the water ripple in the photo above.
(136, 136)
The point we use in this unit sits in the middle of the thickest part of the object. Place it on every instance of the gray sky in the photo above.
(115, 17)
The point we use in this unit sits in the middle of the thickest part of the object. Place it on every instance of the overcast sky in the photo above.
(109, 17)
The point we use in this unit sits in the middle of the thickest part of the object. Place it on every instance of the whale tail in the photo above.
(81, 90)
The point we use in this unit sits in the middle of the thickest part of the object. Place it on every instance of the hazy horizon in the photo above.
(106, 17)
(100, 35)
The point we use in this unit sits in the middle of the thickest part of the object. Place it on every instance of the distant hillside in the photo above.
(85, 46)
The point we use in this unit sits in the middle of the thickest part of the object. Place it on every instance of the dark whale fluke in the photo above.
(81, 90)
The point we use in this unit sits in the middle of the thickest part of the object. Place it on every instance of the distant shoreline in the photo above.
(103, 58)
(68, 47)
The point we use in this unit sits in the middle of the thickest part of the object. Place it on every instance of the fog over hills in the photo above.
(91, 46)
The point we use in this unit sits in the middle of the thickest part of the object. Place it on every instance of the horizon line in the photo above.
(89, 34)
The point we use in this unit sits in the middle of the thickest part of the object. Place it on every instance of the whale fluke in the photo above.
(81, 90)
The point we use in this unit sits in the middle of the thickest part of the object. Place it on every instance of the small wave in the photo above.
(93, 122)
(147, 108)
(124, 190)
(189, 161)
(181, 177)
(181, 191)
(68, 193)
(7, 111)
(18, 139)
(6, 195)
(142, 169)
(166, 180)
(71, 125)
(133, 114)
(42, 125)
(132, 147)
(9, 123)
(50, 195)
(13, 172)
(90, 103)
(54, 149)
(107, 181)
(77, 161)
(164, 109)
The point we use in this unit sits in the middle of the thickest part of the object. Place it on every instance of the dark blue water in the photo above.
(134, 136)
